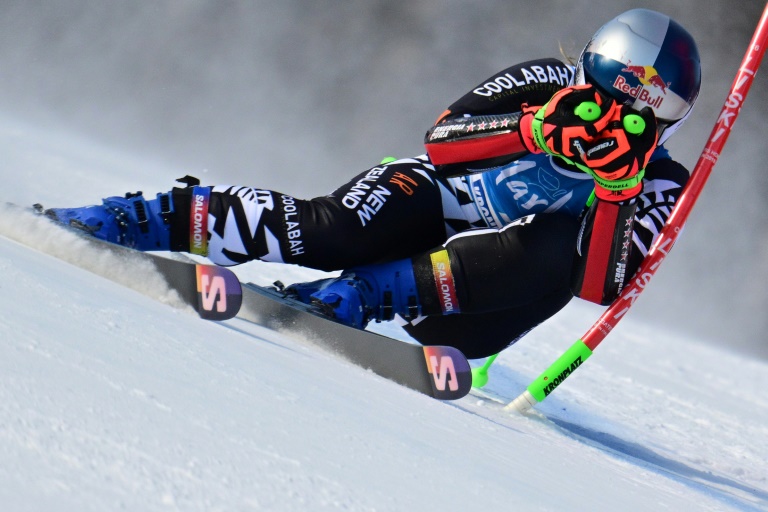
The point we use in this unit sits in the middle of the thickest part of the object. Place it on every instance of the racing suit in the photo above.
(514, 228)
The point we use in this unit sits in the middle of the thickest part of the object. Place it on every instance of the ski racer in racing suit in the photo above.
(542, 183)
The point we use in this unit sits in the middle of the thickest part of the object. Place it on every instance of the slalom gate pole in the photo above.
(567, 363)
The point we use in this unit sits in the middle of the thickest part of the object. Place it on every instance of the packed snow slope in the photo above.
(112, 398)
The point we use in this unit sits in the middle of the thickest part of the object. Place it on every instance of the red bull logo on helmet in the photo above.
(650, 81)
(647, 76)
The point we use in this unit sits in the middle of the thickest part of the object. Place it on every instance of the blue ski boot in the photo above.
(362, 294)
(131, 221)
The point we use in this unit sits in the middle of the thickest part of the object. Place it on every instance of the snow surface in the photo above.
(111, 398)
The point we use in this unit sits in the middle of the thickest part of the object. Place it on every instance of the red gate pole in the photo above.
(583, 348)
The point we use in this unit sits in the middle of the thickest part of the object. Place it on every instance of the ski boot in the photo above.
(362, 294)
(130, 221)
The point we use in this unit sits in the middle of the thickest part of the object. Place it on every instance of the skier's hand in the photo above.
(618, 155)
(572, 118)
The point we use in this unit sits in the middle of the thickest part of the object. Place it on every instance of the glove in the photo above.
(617, 157)
(567, 123)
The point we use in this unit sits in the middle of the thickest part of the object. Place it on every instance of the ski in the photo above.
(438, 371)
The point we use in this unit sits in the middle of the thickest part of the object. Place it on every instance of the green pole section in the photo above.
(559, 370)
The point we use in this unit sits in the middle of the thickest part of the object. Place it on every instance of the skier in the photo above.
(544, 182)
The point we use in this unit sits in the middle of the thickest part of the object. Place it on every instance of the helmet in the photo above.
(643, 58)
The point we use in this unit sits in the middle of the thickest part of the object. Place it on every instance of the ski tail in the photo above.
(449, 370)
(214, 292)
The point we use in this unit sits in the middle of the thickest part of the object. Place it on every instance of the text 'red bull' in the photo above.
(638, 92)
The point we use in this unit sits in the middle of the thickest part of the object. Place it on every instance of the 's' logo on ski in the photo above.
(213, 287)
(443, 372)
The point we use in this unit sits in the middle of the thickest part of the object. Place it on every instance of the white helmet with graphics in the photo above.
(643, 58)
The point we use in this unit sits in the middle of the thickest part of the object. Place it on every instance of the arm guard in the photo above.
(603, 249)
(480, 130)
(615, 237)
(474, 144)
